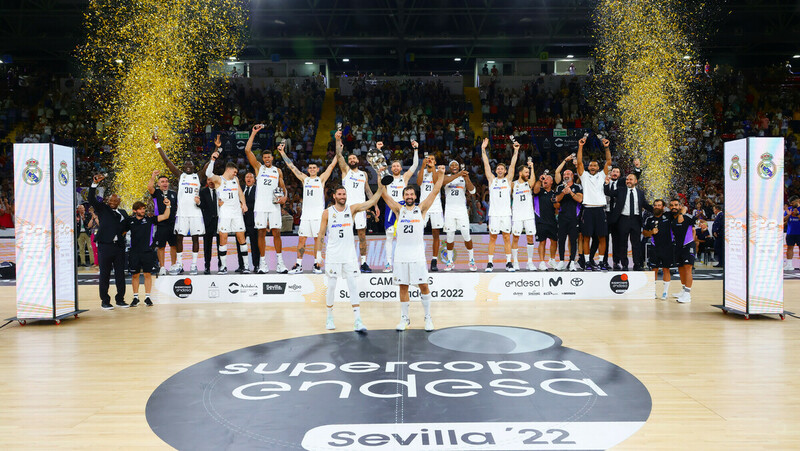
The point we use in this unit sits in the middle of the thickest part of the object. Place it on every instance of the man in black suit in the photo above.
(110, 240)
(629, 202)
(718, 232)
(250, 222)
(208, 205)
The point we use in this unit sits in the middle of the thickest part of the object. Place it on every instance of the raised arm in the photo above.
(531, 174)
(369, 203)
(248, 148)
(557, 175)
(513, 164)
(414, 162)
(92, 195)
(325, 175)
(579, 164)
(172, 168)
(167, 208)
(486, 167)
(339, 147)
(607, 147)
(291, 166)
(210, 170)
(468, 182)
(426, 204)
(151, 185)
(391, 203)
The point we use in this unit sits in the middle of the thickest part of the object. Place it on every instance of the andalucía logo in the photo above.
(470, 387)
(182, 288)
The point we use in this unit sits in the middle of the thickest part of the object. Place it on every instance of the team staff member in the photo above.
(629, 204)
(110, 239)
(208, 205)
(340, 258)
(611, 186)
(545, 212)
(165, 230)
(657, 228)
(682, 228)
(500, 194)
(718, 233)
(569, 196)
(409, 261)
(426, 179)
(593, 221)
(250, 230)
(142, 258)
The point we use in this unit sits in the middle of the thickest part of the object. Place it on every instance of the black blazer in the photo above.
(208, 206)
(618, 199)
(250, 201)
(86, 218)
(610, 192)
(110, 223)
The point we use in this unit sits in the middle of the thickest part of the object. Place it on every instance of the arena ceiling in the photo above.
(417, 35)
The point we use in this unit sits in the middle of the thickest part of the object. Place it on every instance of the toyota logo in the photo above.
(576, 282)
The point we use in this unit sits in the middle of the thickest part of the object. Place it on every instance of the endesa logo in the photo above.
(182, 288)
(619, 283)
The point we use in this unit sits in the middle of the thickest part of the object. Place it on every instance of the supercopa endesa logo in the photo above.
(182, 288)
(481, 387)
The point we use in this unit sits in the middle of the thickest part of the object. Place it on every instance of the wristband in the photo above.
(472, 191)
(158, 145)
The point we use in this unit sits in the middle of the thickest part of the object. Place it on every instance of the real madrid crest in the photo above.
(63, 174)
(32, 172)
(735, 171)
(766, 168)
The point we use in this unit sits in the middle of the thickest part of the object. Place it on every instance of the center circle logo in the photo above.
(619, 283)
(481, 387)
(182, 288)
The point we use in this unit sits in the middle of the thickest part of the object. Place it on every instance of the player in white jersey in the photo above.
(270, 195)
(524, 218)
(189, 218)
(456, 184)
(231, 207)
(593, 219)
(355, 183)
(426, 179)
(499, 204)
(313, 206)
(340, 257)
(409, 259)
(395, 191)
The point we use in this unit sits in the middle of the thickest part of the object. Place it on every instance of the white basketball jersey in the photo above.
(313, 198)
(395, 189)
(266, 182)
(340, 247)
(410, 241)
(426, 189)
(456, 195)
(354, 182)
(522, 208)
(188, 188)
(228, 193)
(500, 197)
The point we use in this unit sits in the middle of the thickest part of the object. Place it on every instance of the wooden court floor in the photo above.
(716, 381)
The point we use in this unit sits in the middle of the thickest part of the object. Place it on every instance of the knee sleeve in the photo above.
(465, 233)
(331, 295)
(352, 285)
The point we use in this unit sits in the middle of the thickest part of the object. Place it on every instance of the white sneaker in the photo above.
(552, 263)
(296, 269)
(489, 267)
(162, 271)
(531, 266)
(428, 323)
(280, 268)
(387, 267)
(359, 326)
(246, 269)
(472, 266)
(262, 266)
(177, 268)
(403, 324)
(516, 265)
(678, 294)
(329, 323)
(573, 266)
(684, 298)
(542, 266)
(664, 295)
(193, 270)
(787, 266)
(317, 269)
(222, 270)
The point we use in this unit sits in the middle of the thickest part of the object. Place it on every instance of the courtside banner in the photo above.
(33, 230)
(64, 234)
(736, 175)
(448, 287)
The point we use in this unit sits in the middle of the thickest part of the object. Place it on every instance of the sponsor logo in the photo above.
(182, 288)
(249, 289)
(63, 174)
(619, 283)
(523, 283)
(576, 282)
(295, 287)
(233, 288)
(213, 291)
(274, 287)
(766, 167)
(735, 169)
(32, 173)
(554, 282)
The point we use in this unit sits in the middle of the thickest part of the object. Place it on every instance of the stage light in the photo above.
(232, 58)
(118, 61)
(490, 62)
(570, 56)
(687, 57)
(279, 22)
(795, 57)
(309, 62)
(345, 60)
(1, 61)
(456, 59)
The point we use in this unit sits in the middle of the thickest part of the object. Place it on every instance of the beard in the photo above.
(658, 211)
(352, 165)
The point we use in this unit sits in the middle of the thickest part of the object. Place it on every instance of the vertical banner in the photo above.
(765, 226)
(736, 225)
(44, 230)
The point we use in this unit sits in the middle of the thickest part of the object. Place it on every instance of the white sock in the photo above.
(330, 311)
(508, 258)
(279, 259)
(194, 258)
(357, 312)
(404, 308)
(147, 295)
(389, 249)
(178, 258)
(491, 259)
(530, 252)
(426, 303)
(136, 295)
(586, 258)
(471, 253)
(687, 289)
(299, 262)
(515, 254)
(666, 287)
(363, 258)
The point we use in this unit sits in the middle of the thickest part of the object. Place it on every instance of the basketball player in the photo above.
(232, 205)
(499, 204)
(593, 222)
(456, 216)
(426, 179)
(142, 258)
(682, 228)
(340, 258)
(313, 206)
(409, 260)
(657, 228)
(268, 206)
(355, 183)
(545, 212)
(569, 196)
(165, 230)
(395, 191)
(189, 216)
(524, 219)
